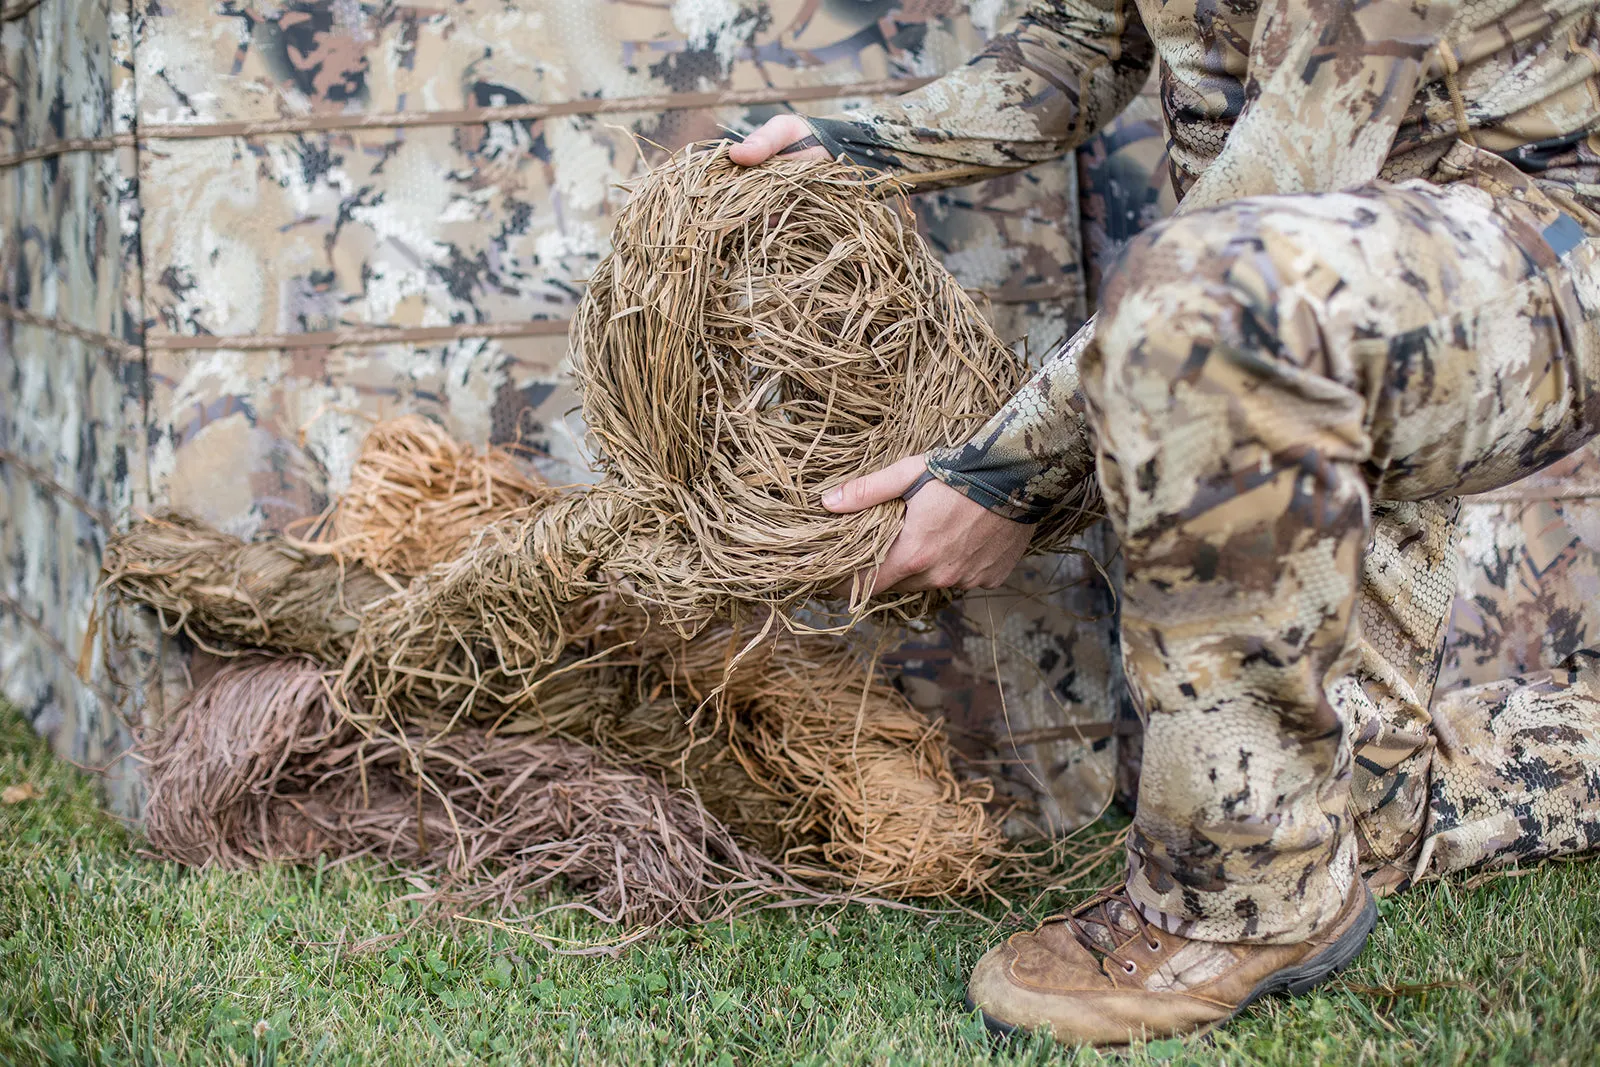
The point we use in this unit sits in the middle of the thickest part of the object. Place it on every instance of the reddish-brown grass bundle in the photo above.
(256, 766)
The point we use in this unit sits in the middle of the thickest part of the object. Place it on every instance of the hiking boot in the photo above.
(1104, 976)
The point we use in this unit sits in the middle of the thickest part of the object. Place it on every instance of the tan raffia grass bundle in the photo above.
(755, 337)
(803, 756)
(255, 765)
(869, 797)
(416, 495)
(474, 637)
(226, 594)
(869, 779)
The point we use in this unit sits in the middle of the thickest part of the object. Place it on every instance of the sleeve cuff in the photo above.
(975, 489)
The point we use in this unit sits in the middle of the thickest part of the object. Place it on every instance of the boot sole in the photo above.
(1291, 980)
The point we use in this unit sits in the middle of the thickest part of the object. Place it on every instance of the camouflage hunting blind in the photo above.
(233, 232)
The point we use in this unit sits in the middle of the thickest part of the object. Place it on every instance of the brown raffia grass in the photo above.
(755, 337)
(829, 773)
(470, 638)
(255, 765)
(226, 594)
(417, 495)
(868, 796)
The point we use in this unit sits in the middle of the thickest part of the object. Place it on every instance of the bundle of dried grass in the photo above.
(471, 639)
(417, 495)
(872, 799)
(256, 766)
(226, 594)
(754, 338)
(869, 782)
(215, 773)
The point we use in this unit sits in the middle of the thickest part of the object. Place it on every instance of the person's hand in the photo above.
(949, 541)
(773, 138)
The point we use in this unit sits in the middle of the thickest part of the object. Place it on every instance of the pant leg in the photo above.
(1409, 579)
(1261, 371)
(1516, 771)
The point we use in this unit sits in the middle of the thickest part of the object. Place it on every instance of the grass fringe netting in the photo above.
(806, 757)
(755, 337)
(255, 765)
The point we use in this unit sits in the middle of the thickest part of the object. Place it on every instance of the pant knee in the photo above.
(1211, 355)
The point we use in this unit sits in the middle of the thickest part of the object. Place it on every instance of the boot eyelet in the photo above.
(1153, 946)
(1130, 967)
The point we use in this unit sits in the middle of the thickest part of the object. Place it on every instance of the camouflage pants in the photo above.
(1264, 375)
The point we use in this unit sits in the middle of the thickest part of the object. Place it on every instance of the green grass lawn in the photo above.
(109, 958)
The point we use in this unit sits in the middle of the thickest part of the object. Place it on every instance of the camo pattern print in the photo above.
(1519, 79)
(1270, 97)
(1530, 593)
(1257, 380)
(1516, 771)
(383, 226)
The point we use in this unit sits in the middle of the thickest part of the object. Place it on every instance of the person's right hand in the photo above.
(773, 138)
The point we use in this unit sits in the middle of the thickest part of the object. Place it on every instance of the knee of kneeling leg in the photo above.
(1193, 283)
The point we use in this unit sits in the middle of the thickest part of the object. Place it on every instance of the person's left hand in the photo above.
(949, 541)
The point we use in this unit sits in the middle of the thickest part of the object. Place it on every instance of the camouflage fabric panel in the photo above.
(1028, 679)
(1408, 581)
(414, 226)
(318, 57)
(1530, 579)
(252, 440)
(70, 424)
(496, 223)
(524, 206)
(1126, 184)
(1516, 776)
(56, 73)
(1015, 241)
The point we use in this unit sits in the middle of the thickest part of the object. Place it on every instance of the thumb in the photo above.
(767, 140)
(879, 487)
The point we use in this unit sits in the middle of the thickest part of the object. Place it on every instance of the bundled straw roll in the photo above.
(229, 595)
(244, 737)
(475, 637)
(867, 777)
(756, 337)
(254, 767)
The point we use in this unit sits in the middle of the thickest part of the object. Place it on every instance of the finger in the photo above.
(876, 488)
(768, 139)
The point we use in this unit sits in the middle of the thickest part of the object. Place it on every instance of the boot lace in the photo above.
(1099, 911)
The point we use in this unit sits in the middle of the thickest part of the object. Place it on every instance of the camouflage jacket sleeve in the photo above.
(1329, 83)
(1034, 93)
(1034, 453)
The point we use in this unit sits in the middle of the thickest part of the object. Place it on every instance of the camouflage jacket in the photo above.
(1284, 96)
